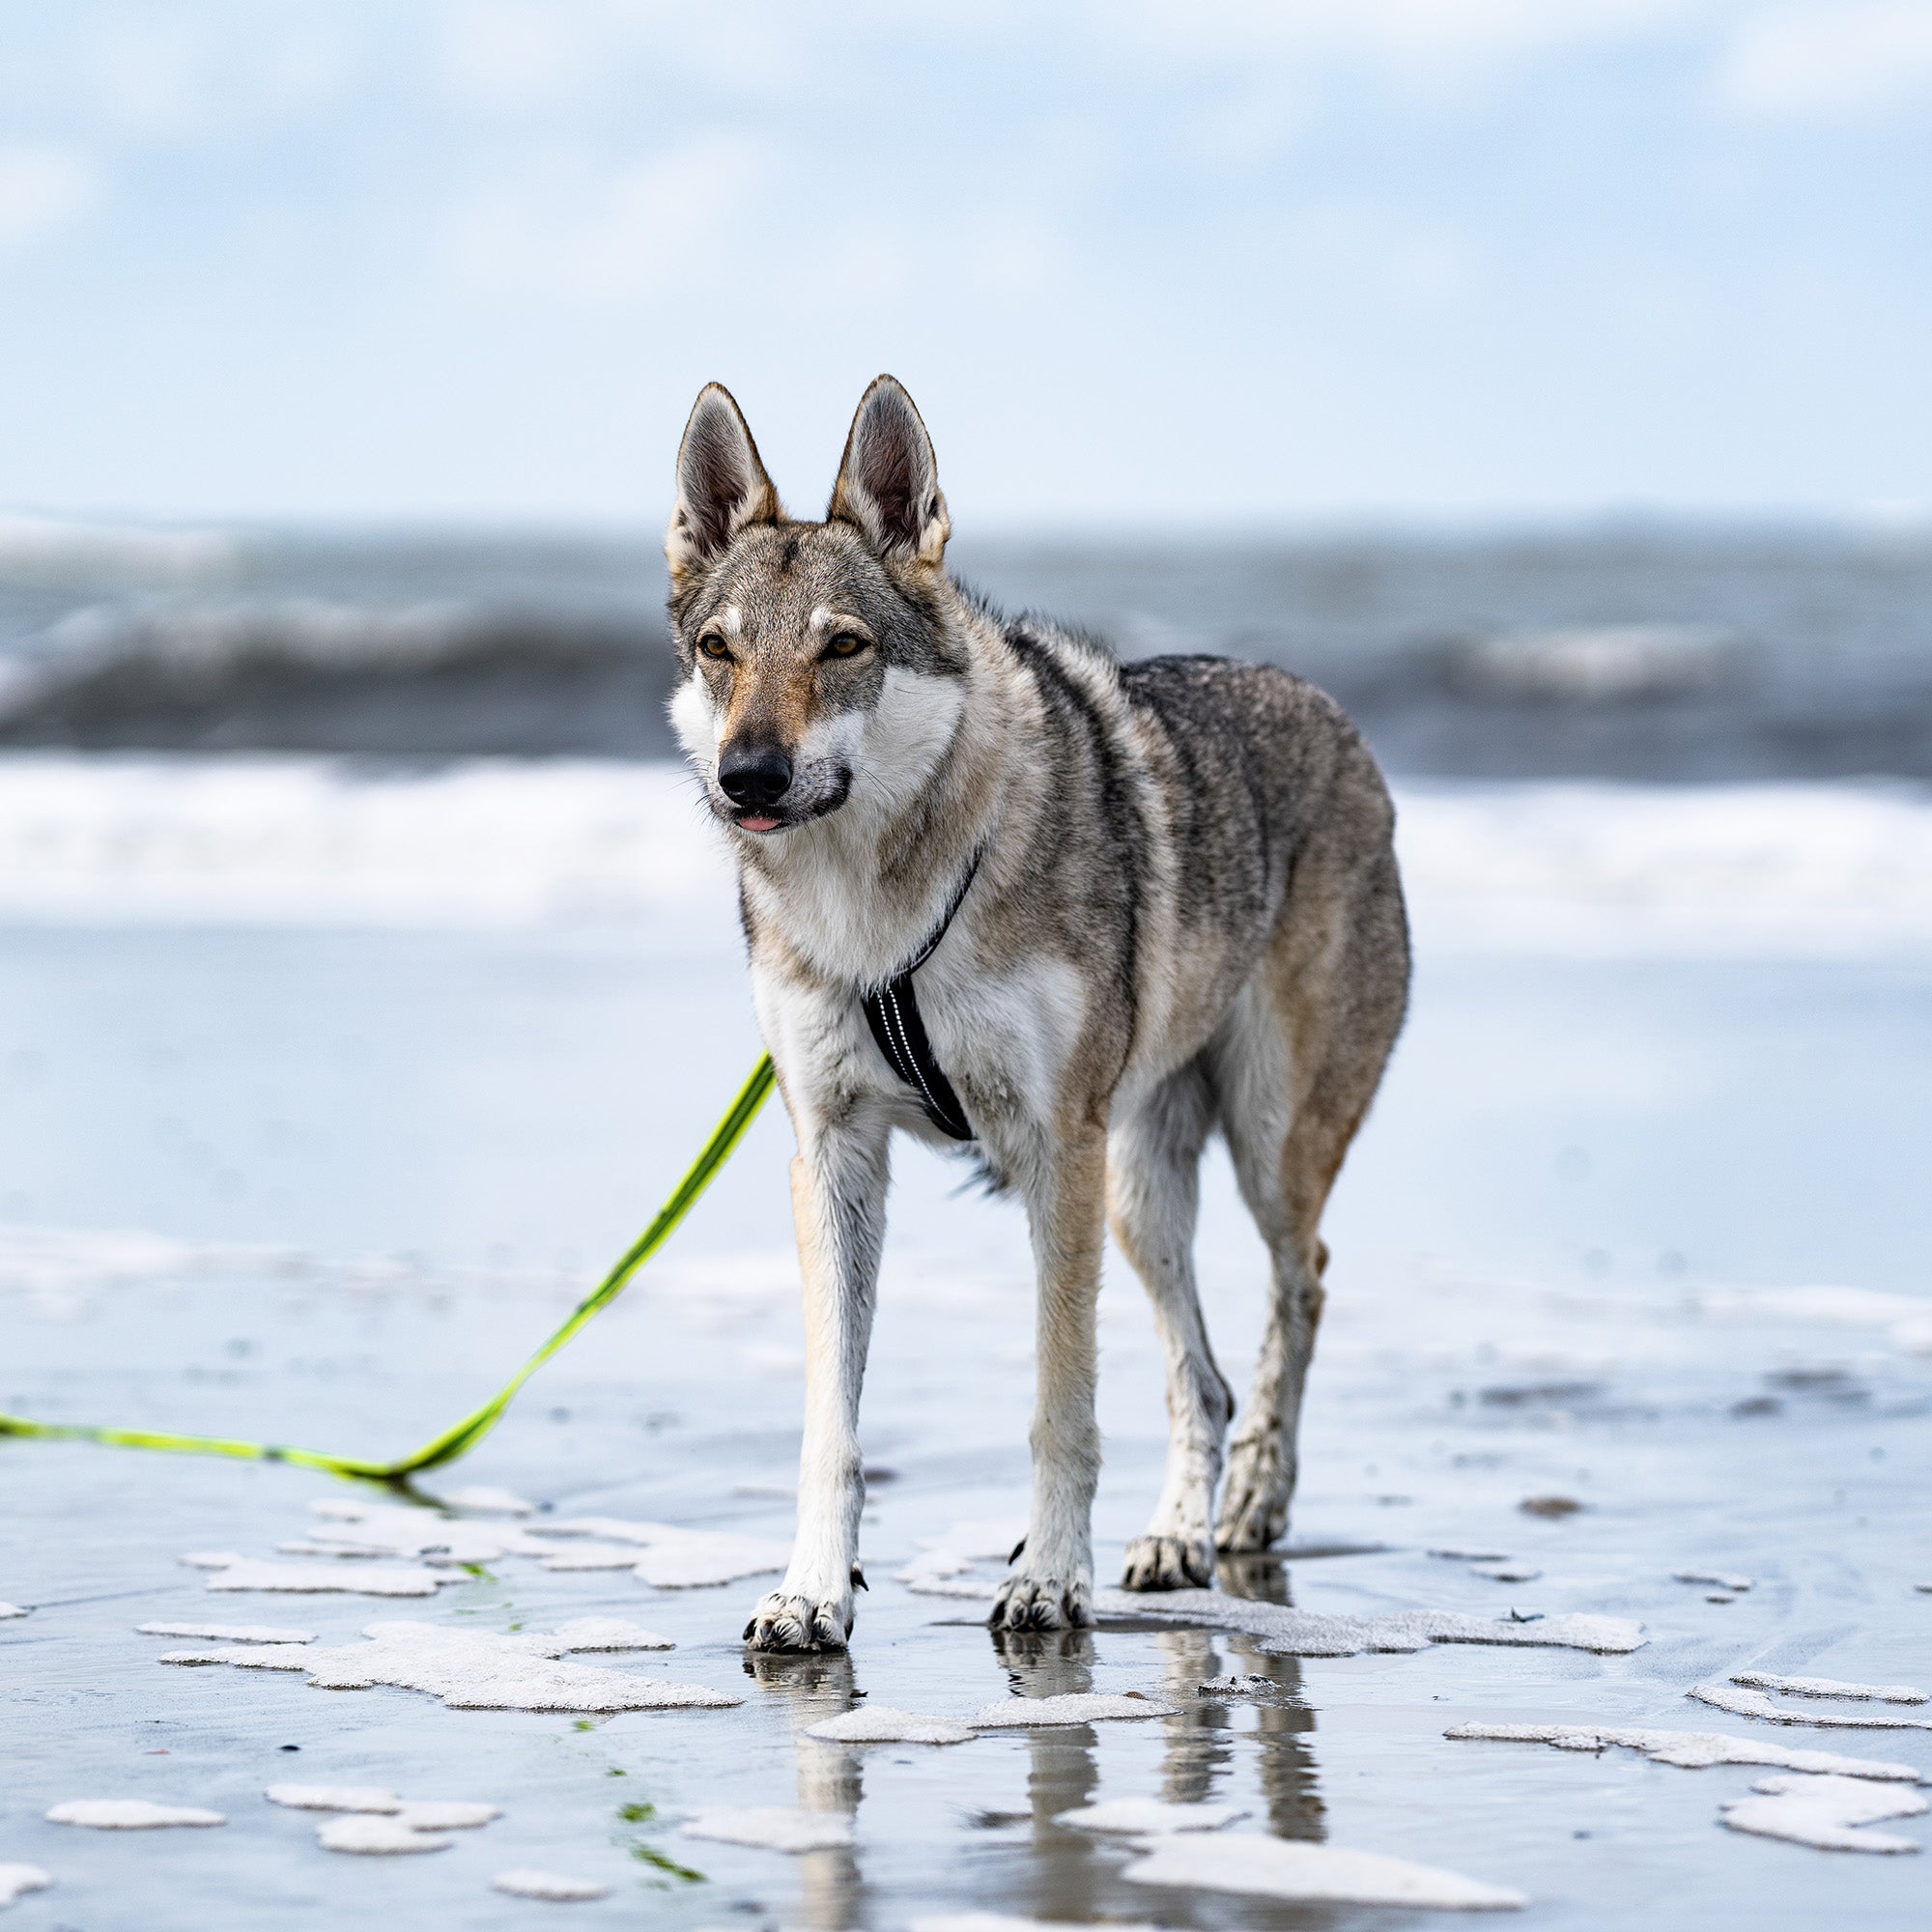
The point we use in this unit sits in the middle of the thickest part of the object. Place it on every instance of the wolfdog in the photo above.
(1145, 902)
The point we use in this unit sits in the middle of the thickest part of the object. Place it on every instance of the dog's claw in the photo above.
(786, 1621)
(1041, 1603)
(1168, 1563)
(1254, 1506)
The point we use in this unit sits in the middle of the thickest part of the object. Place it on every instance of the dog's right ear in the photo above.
(721, 485)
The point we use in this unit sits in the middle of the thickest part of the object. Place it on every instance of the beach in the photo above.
(334, 1089)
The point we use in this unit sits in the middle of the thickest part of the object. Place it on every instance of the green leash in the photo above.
(472, 1430)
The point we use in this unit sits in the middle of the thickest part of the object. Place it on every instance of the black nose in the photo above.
(754, 773)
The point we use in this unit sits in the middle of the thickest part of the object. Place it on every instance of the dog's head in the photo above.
(817, 662)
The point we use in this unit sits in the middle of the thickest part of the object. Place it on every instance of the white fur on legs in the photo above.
(1153, 1157)
(839, 1201)
(1051, 1585)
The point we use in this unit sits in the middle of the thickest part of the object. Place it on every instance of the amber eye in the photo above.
(846, 644)
(714, 646)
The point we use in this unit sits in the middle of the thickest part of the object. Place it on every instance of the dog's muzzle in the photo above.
(754, 777)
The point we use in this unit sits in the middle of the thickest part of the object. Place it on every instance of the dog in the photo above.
(1146, 903)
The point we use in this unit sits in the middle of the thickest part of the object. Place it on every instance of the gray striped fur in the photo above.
(1187, 919)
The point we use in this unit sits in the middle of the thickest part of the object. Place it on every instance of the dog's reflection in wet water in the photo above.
(1053, 1872)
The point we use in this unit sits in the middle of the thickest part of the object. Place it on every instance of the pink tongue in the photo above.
(757, 823)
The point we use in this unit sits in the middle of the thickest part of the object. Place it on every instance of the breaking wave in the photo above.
(1801, 871)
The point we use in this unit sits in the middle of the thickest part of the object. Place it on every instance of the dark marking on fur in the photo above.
(1123, 823)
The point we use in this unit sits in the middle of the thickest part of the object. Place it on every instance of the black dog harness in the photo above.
(892, 1012)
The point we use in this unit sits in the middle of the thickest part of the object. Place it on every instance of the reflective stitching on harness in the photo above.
(910, 1070)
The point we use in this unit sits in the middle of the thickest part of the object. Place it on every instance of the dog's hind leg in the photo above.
(1051, 1586)
(839, 1202)
(1294, 1070)
(1153, 1188)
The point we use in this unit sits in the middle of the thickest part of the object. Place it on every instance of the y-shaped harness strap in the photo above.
(892, 1012)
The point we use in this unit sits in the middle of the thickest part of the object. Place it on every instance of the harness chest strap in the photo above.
(892, 1012)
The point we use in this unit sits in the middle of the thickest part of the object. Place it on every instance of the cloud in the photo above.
(1830, 62)
(618, 242)
(42, 190)
(206, 72)
(1400, 31)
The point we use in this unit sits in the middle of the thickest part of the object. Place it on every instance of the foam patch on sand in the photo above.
(230, 1633)
(1829, 1686)
(1075, 1708)
(1282, 1631)
(448, 1814)
(385, 1529)
(1755, 1704)
(1250, 1863)
(609, 1633)
(17, 1881)
(244, 1656)
(477, 1670)
(364, 1798)
(672, 1557)
(128, 1814)
(355, 1579)
(480, 1499)
(774, 1829)
(1148, 1817)
(1824, 1812)
(557, 1888)
(1692, 1750)
(377, 1837)
(882, 1724)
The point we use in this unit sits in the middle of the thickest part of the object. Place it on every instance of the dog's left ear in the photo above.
(888, 486)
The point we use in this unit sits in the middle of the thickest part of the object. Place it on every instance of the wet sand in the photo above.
(369, 1169)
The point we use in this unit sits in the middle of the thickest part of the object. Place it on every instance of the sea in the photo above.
(1625, 650)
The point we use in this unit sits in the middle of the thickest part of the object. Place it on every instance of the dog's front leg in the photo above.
(1051, 1586)
(839, 1204)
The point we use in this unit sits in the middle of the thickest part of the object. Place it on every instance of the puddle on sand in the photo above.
(773, 1828)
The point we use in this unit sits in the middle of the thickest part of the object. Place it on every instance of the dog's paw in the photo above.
(786, 1621)
(1168, 1563)
(1254, 1506)
(1042, 1603)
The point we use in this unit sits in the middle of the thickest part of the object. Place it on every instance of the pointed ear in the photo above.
(721, 485)
(888, 486)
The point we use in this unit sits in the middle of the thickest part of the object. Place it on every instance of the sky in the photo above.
(1209, 264)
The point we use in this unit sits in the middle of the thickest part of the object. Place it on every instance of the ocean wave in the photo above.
(438, 677)
(53, 550)
(1791, 870)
